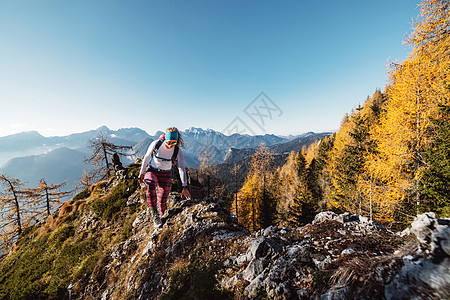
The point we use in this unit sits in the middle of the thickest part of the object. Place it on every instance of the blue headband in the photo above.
(171, 136)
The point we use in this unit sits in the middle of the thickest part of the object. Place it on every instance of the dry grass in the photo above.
(357, 269)
(361, 273)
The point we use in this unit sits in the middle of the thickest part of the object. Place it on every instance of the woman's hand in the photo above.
(186, 193)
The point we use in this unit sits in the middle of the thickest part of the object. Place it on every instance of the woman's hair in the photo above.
(180, 139)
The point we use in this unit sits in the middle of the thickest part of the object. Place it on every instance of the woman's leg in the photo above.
(164, 185)
(151, 180)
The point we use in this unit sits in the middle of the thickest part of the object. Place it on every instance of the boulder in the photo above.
(427, 273)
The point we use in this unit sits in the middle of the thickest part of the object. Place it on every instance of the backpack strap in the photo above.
(175, 154)
(155, 151)
(157, 146)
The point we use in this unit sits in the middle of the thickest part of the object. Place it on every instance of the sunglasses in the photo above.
(171, 143)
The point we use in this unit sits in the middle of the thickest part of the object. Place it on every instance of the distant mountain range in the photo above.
(215, 144)
(30, 156)
(33, 143)
(55, 166)
(234, 155)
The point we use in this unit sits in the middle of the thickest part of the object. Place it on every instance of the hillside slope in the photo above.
(103, 245)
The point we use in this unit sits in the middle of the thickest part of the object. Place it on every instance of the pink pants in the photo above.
(162, 179)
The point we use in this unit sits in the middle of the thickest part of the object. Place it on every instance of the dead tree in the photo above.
(15, 211)
(101, 151)
(51, 194)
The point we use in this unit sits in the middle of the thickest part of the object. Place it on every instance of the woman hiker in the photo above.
(157, 168)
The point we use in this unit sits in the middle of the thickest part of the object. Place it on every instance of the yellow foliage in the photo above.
(417, 86)
(352, 200)
(290, 181)
(258, 185)
(311, 152)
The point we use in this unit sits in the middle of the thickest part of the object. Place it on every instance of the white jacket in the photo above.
(163, 160)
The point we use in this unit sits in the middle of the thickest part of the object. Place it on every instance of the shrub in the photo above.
(127, 229)
(108, 207)
(82, 195)
(21, 276)
(62, 235)
(89, 264)
(195, 282)
(70, 258)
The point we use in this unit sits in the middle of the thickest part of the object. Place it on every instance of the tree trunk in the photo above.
(48, 201)
(108, 171)
(16, 203)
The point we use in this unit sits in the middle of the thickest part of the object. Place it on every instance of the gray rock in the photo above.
(254, 269)
(135, 199)
(149, 248)
(277, 290)
(442, 237)
(270, 231)
(347, 252)
(255, 286)
(423, 226)
(224, 234)
(432, 233)
(428, 276)
(294, 251)
(281, 268)
(143, 218)
(302, 294)
(421, 279)
(233, 280)
(335, 294)
(262, 247)
(321, 264)
(106, 295)
(343, 218)
(405, 232)
(240, 260)
(89, 221)
(342, 232)
(324, 216)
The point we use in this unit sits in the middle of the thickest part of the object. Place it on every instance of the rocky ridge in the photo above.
(336, 257)
(201, 251)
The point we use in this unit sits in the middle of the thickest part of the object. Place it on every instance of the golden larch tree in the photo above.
(417, 86)
(256, 203)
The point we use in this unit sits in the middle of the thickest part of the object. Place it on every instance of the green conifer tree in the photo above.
(435, 184)
(312, 178)
(351, 164)
(303, 209)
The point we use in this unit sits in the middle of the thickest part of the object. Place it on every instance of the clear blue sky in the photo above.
(71, 66)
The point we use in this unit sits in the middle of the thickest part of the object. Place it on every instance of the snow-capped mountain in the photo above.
(216, 144)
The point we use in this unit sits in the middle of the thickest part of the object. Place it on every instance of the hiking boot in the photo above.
(155, 216)
(153, 210)
(157, 219)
